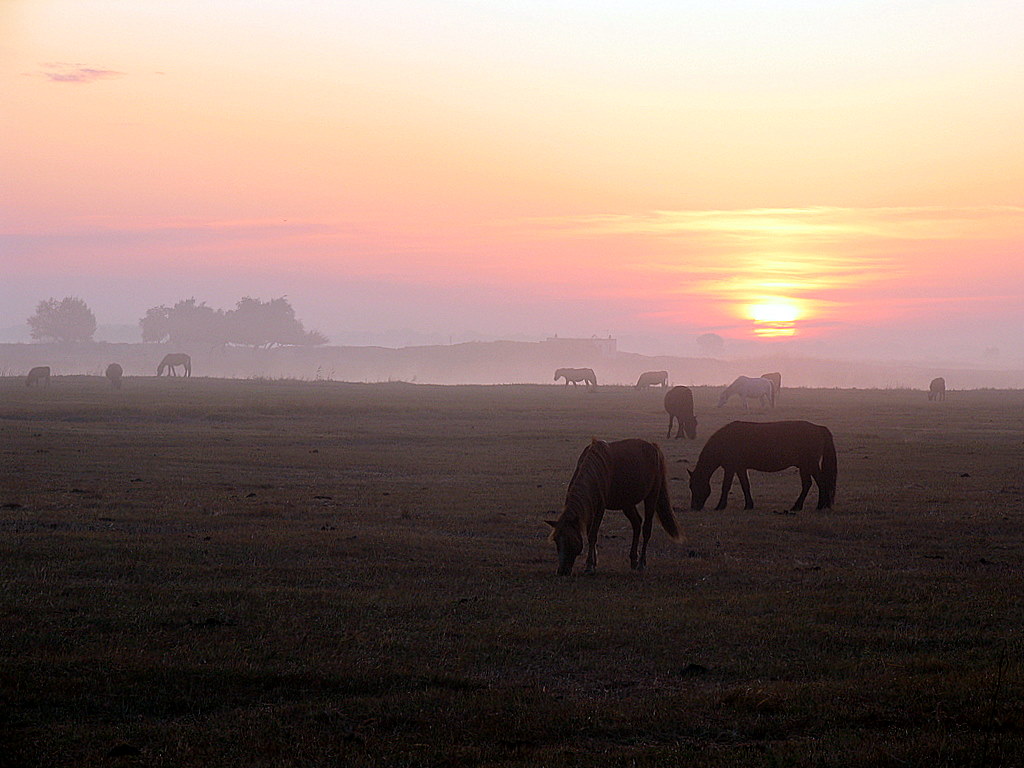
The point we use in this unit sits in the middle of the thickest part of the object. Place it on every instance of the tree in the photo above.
(259, 323)
(252, 322)
(710, 343)
(69, 319)
(184, 323)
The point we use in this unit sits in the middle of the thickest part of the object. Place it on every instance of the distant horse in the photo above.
(770, 447)
(652, 379)
(575, 375)
(38, 375)
(745, 387)
(114, 373)
(679, 405)
(937, 389)
(615, 475)
(776, 380)
(172, 361)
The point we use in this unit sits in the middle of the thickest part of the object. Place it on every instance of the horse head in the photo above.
(569, 542)
(722, 400)
(700, 489)
(690, 427)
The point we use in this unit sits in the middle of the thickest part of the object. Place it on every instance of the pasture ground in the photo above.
(248, 573)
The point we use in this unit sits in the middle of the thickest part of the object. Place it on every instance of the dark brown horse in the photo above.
(679, 405)
(172, 361)
(768, 447)
(114, 372)
(575, 375)
(615, 475)
(39, 375)
(776, 380)
(652, 379)
(937, 389)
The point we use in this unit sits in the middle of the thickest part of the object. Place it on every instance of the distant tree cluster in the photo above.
(252, 322)
(69, 319)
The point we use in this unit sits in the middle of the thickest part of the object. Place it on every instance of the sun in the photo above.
(775, 311)
(774, 317)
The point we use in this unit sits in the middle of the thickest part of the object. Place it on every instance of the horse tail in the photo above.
(829, 469)
(665, 515)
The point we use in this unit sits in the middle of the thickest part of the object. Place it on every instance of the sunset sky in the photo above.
(834, 177)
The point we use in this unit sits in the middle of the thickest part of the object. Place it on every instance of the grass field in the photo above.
(259, 573)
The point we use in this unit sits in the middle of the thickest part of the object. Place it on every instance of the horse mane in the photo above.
(589, 484)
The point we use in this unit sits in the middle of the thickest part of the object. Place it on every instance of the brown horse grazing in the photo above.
(937, 389)
(38, 375)
(172, 361)
(768, 447)
(776, 380)
(615, 475)
(575, 375)
(679, 405)
(652, 379)
(114, 373)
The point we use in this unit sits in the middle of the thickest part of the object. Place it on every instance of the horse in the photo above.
(768, 447)
(172, 361)
(576, 375)
(776, 380)
(937, 389)
(679, 405)
(38, 375)
(114, 372)
(616, 475)
(745, 387)
(652, 379)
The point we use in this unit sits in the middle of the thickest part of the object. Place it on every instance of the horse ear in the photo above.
(689, 472)
(552, 523)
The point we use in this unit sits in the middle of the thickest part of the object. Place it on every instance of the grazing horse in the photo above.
(615, 475)
(937, 389)
(114, 373)
(769, 447)
(652, 379)
(679, 405)
(172, 361)
(575, 375)
(745, 387)
(41, 373)
(776, 380)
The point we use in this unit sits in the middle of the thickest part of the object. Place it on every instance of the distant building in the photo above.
(607, 347)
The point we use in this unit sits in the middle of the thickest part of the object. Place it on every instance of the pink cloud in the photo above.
(76, 73)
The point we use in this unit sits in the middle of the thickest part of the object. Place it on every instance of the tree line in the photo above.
(252, 322)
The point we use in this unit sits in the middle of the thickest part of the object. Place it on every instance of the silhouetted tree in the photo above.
(185, 322)
(710, 343)
(69, 319)
(258, 323)
(252, 322)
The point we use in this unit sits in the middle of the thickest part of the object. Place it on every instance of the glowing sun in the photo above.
(774, 317)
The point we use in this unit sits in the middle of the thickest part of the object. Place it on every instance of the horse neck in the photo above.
(707, 463)
(587, 490)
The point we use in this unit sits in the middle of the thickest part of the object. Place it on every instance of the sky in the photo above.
(841, 179)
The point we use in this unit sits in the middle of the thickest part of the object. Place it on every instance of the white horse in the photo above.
(745, 387)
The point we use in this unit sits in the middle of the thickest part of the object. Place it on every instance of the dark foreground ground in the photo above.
(242, 573)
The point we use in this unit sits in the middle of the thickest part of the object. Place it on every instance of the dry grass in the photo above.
(241, 573)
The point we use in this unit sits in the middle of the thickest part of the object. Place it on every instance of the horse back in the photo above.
(637, 472)
(767, 447)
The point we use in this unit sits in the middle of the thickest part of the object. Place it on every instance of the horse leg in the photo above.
(748, 500)
(671, 418)
(595, 526)
(634, 519)
(805, 486)
(726, 484)
(650, 509)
